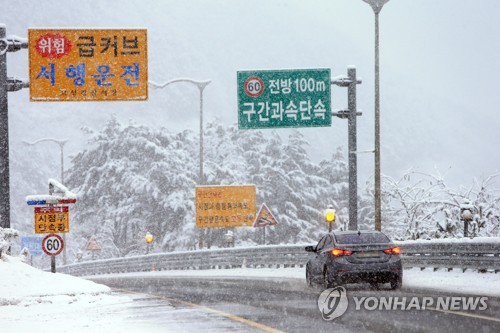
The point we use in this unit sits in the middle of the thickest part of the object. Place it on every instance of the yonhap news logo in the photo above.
(333, 303)
(455, 303)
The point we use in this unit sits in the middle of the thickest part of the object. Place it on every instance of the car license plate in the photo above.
(371, 254)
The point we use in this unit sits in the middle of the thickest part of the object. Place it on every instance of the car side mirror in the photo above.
(310, 249)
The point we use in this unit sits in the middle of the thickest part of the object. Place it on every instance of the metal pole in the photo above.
(201, 176)
(4, 139)
(61, 145)
(52, 258)
(378, 200)
(377, 7)
(352, 148)
(351, 113)
(202, 180)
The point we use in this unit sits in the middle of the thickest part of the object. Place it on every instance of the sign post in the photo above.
(52, 245)
(7, 84)
(300, 98)
(52, 216)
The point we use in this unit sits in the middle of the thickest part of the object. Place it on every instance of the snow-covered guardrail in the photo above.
(479, 254)
(469, 254)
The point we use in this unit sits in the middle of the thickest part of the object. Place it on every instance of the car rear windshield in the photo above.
(362, 239)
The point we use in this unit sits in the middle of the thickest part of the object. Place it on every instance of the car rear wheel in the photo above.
(396, 282)
(308, 278)
(328, 279)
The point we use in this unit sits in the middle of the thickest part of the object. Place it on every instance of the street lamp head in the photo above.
(376, 4)
(59, 142)
(200, 84)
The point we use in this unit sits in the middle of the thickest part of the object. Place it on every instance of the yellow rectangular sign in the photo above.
(88, 64)
(54, 219)
(225, 206)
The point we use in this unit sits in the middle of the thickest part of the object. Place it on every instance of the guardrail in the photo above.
(482, 256)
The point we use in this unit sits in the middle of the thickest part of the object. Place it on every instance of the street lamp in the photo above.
(149, 240)
(201, 86)
(61, 144)
(377, 7)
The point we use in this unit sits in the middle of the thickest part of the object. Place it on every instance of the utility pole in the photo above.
(7, 44)
(52, 258)
(352, 148)
(351, 113)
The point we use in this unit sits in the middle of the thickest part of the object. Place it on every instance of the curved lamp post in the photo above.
(377, 7)
(61, 144)
(201, 86)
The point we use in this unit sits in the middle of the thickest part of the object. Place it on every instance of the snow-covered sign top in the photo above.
(43, 199)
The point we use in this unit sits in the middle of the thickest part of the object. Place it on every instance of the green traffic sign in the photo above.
(284, 98)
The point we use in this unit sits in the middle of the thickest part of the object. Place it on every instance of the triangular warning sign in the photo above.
(264, 217)
(92, 245)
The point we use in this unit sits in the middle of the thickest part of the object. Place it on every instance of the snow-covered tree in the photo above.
(133, 180)
(421, 205)
(6, 237)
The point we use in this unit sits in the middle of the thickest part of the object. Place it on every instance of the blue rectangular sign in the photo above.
(33, 244)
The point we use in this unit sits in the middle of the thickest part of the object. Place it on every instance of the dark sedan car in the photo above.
(354, 256)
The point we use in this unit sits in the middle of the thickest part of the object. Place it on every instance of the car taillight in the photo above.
(340, 252)
(393, 250)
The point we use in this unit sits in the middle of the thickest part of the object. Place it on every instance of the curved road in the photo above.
(288, 305)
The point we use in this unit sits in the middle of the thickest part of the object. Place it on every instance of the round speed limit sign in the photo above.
(254, 86)
(52, 244)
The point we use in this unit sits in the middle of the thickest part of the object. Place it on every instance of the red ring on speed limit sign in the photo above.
(254, 86)
(52, 244)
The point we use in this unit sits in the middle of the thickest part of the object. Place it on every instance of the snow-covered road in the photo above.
(35, 301)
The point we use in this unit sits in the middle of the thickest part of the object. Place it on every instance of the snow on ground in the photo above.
(21, 283)
(32, 300)
(36, 301)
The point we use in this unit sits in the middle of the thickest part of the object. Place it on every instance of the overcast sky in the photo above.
(440, 71)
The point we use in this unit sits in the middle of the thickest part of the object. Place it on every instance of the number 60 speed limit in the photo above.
(254, 86)
(52, 244)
